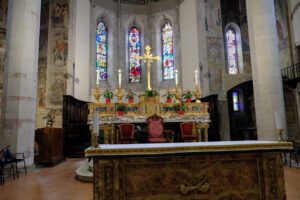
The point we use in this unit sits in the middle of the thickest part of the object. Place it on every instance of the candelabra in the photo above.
(280, 132)
(94, 137)
(97, 92)
(120, 93)
(177, 91)
(197, 92)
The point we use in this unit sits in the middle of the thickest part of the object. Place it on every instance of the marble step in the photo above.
(83, 173)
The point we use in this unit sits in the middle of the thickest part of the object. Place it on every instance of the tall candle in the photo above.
(96, 123)
(278, 123)
(196, 77)
(97, 78)
(176, 77)
(120, 78)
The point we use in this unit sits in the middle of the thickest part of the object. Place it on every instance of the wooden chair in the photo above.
(188, 133)
(126, 134)
(156, 132)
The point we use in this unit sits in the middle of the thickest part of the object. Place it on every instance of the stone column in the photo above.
(267, 81)
(20, 77)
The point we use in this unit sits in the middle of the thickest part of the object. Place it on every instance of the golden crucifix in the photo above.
(148, 58)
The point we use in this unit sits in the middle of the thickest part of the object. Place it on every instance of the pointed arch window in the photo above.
(101, 50)
(167, 51)
(134, 41)
(236, 101)
(232, 51)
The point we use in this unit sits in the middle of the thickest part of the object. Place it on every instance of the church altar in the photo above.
(206, 170)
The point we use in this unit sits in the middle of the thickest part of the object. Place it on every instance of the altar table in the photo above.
(205, 170)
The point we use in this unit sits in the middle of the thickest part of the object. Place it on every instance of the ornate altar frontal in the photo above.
(211, 170)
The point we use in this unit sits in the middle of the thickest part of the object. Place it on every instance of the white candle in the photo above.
(196, 77)
(120, 78)
(176, 77)
(97, 78)
(278, 123)
(96, 123)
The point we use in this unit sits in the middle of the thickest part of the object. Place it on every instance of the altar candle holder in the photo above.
(197, 92)
(280, 132)
(178, 92)
(120, 93)
(97, 92)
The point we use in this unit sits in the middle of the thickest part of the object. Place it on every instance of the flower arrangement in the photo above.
(151, 93)
(187, 95)
(120, 108)
(169, 95)
(180, 108)
(130, 96)
(108, 95)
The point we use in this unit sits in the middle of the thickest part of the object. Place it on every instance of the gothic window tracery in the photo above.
(101, 51)
(134, 40)
(167, 51)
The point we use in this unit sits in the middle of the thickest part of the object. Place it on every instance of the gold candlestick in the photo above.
(120, 93)
(94, 138)
(197, 92)
(177, 91)
(280, 132)
(97, 92)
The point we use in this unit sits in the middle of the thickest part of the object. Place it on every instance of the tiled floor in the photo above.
(58, 183)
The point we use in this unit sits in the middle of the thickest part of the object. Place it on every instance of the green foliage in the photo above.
(108, 94)
(180, 107)
(130, 95)
(187, 94)
(151, 93)
(169, 94)
(121, 107)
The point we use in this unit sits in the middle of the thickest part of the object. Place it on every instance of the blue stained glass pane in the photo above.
(235, 101)
(134, 51)
(167, 51)
(231, 51)
(101, 51)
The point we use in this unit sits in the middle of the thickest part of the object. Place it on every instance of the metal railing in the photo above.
(290, 73)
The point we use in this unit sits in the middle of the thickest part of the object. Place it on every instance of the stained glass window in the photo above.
(101, 51)
(167, 51)
(232, 57)
(134, 50)
(235, 101)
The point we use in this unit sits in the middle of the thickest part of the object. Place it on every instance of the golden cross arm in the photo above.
(148, 57)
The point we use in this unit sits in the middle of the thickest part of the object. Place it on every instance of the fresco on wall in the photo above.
(281, 24)
(43, 42)
(215, 80)
(42, 76)
(45, 14)
(60, 14)
(215, 50)
(213, 19)
(3, 12)
(2, 38)
(60, 51)
(57, 88)
(282, 32)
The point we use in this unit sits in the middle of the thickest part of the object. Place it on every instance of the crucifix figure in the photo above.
(148, 58)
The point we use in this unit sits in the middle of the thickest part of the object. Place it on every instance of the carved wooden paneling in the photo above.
(234, 176)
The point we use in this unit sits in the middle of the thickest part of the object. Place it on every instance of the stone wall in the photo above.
(3, 23)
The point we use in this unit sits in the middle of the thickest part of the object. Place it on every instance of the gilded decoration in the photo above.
(186, 148)
(210, 176)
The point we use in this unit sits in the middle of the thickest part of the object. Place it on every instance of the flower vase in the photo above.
(180, 112)
(120, 113)
(107, 100)
(130, 100)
